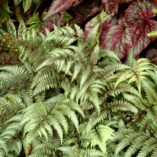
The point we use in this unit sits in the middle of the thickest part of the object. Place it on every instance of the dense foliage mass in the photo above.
(72, 82)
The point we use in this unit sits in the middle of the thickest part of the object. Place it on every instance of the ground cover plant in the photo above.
(78, 78)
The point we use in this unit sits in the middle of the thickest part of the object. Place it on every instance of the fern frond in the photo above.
(100, 136)
(42, 118)
(72, 151)
(45, 79)
(12, 78)
(8, 145)
(10, 105)
(138, 142)
(95, 119)
(137, 74)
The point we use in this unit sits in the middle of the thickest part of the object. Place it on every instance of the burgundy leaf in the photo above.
(1, 1)
(105, 28)
(50, 22)
(130, 34)
(140, 24)
(139, 11)
(139, 37)
(99, 19)
(111, 6)
(116, 38)
(60, 5)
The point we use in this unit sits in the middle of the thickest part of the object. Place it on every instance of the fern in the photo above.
(89, 140)
(69, 98)
(140, 138)
(135, 74)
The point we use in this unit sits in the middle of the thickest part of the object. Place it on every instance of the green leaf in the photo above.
(37, 1)
(34, 22)
(152, 34)
(131, 61)
(26, 5)
(11, 28)
(5, 11)
(16, 2)
(67, 17)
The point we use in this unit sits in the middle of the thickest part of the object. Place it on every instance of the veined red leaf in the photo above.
(130, 34)
(97, 20)
(110, 6)
(50, 22)
(139, 19)
(140, 40)
(116, 38)
(139, 11)
(60, 5)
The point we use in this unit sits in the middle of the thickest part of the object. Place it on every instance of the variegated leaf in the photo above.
(129, 34)
(97, 20)
(116, 38)
(60, 5)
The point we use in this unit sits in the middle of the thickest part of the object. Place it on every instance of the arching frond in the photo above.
(40, 119)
